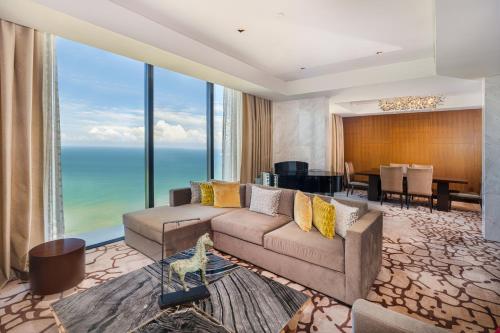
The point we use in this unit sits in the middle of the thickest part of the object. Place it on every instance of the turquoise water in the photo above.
(101, 184)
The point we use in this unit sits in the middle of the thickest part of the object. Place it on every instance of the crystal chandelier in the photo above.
(410, 103)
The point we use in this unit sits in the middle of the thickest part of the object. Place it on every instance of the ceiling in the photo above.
(335, 41)
(294, 39)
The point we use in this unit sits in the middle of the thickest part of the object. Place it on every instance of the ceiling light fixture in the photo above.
(281, 14)
(241, 30)
(410, 103)
(302, 68)
(378, 52)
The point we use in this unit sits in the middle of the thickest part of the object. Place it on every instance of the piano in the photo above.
(296, 175)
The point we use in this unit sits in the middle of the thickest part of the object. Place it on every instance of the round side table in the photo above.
(57, 265)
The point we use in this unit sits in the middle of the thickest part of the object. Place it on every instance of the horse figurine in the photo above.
(197, 262)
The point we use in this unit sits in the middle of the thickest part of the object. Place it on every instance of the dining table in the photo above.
(443, 187)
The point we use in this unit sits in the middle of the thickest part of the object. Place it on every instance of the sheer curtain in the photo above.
(231, 134)
(52, 185)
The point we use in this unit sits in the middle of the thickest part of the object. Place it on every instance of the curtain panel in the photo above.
(337, 130)
(21, 146)
(256, 139)
(231, 134)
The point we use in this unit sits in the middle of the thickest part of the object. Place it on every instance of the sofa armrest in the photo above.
(363, 255)
(368, 317)
(180, 196)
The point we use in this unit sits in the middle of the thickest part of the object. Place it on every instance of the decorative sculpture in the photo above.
(197, 262)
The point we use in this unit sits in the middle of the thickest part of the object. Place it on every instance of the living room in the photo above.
(326, 166)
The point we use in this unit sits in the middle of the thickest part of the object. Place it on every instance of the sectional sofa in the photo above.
(341, 268)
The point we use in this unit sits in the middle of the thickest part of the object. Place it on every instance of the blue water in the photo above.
(101, 184)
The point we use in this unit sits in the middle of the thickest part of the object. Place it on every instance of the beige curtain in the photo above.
(21, 146)
(337, 130)
(256, 151)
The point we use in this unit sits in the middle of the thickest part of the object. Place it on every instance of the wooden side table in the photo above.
(57, 265)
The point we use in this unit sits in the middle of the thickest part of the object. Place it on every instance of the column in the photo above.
(491, 158)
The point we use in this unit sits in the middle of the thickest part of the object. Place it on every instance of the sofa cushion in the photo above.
(286, 199)
(148, 222)
(302, 211)
(346, 216)
(324, 217)
(247, 225)
(310, 246)
(226, 195)
(265, 201)
(195, 192)
(207, 194)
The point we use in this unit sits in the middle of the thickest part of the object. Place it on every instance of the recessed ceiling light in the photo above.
(241, 30)
(302, 68)
(379, 52)
(281, 14)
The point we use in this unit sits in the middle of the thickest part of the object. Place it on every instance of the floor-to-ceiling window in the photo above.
(218, 130)
(102, 106)
(102, 133)
(180, 134)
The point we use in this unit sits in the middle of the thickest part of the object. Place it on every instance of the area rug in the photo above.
(436, 268)
(239, 301)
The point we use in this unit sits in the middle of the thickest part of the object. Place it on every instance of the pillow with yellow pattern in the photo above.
(324, 217)
(302, 211)
(207, 194)
(226, 194)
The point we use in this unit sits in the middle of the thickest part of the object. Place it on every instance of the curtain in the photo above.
(231, 134)
(21, 146)
(337, 129)
(52, 185)
(256, 152)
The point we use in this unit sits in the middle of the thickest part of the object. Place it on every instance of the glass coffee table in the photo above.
(240, 301)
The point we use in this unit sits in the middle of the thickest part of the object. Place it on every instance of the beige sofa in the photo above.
(341, 268)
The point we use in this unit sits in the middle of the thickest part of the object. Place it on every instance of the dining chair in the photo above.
(419, 184)
(391, 179)
(422, 166)
(351, 183)
(404, 166)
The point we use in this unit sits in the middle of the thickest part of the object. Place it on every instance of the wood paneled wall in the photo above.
(449, 140)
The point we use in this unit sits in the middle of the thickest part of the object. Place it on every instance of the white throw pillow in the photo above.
(195, 192)
(265, 201)
(345, 216)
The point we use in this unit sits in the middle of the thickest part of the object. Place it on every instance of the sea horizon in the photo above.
(101, 183)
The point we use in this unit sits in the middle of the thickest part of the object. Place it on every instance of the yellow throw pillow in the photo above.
(207, 194)
(226, 195)
(302, 211)
(324, 217)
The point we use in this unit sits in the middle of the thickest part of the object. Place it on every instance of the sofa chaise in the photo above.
(341, 268)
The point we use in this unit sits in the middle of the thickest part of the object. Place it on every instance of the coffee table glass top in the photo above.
(240, 301)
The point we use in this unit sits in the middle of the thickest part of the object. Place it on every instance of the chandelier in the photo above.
(410, 103)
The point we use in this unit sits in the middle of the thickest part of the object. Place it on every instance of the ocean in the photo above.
(101, 184)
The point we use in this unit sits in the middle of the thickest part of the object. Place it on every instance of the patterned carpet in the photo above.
(436, 267)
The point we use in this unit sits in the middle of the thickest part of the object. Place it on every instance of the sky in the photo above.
(102, 101)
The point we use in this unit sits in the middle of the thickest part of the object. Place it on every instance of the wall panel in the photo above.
(449, 140)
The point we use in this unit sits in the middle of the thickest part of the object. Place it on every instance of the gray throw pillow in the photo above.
(195, 192)
(265, 201)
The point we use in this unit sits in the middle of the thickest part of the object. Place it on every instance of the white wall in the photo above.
(300, 131)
